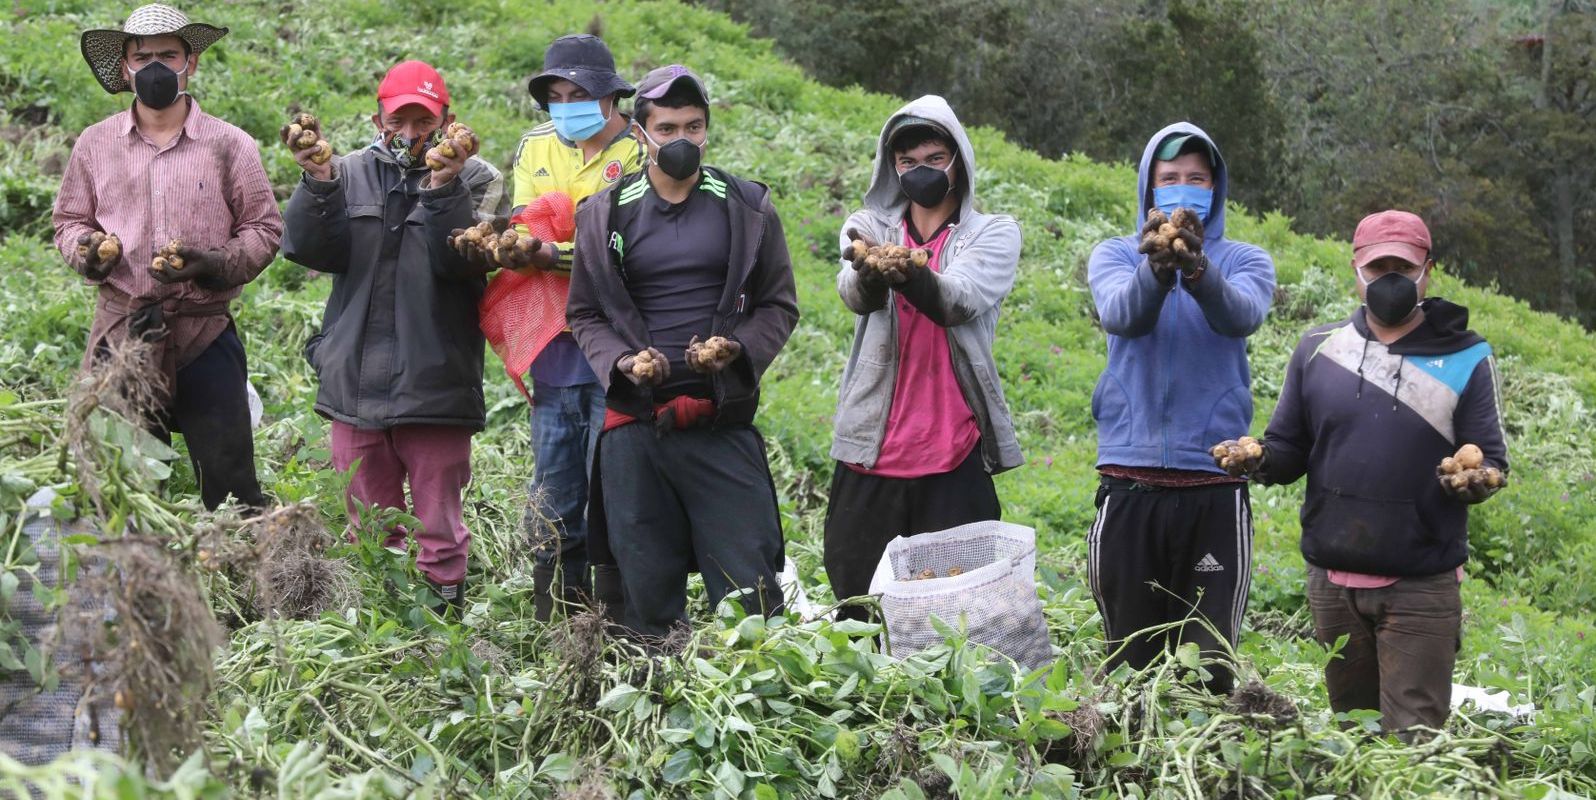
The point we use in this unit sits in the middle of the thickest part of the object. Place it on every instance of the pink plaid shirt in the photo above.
(206, 186)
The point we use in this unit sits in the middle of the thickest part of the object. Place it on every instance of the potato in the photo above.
(1179, 246)
(1183, 218)
(159, 264)
(109, 249)
(1459, 480)
(167, 257)
(1470, 456)
(1492, 477)
(925, 574)
(858, 250)
(919, 256)
(323, 154)
(1168, 229)
(1449, 466)
(954, 572)
(1251, 447)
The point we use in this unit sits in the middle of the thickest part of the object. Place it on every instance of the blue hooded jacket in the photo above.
(1177, 380)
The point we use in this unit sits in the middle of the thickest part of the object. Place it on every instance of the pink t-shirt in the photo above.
(1358, 580)
(930, 428)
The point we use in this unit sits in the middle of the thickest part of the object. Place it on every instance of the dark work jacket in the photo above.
(399, 343)
(758, 308)
(1368, 424)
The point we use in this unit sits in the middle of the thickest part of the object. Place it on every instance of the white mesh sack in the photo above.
(992, 592)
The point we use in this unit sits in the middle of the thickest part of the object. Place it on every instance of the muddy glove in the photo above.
(647, 368)
(1158, 237)
(1239, 457)
(1465, 477)
(478, 244)
(1186, 246)
(99, 254)
(712, 355)
(203, 267)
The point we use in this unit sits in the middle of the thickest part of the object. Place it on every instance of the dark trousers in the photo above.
(210, 407)
(1154, 555)
(701, 496)
(865, 512)
(1402, 643)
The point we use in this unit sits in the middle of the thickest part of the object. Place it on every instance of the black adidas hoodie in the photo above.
(1368, 423)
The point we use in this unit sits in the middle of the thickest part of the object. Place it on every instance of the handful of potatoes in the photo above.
(303, 132)
(457, 140)
(644, 365)
(1238, 456)
(507, 248)
(106, 247)
(1466, 469)
(712, 351)
(1162, 233)
(167, 258)
(888, 259)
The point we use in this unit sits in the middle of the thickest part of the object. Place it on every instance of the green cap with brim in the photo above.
(908, 121)
(1180, 144)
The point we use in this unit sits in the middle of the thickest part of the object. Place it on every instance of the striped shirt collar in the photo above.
(190, 124)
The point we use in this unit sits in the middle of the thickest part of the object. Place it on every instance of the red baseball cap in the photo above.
(1391, 233)
(413, 82)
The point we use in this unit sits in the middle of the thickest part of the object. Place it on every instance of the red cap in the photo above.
(413, 82)
(1391, 233)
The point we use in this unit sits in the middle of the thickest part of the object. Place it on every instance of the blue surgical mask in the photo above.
(1181, 195)
(578, 121)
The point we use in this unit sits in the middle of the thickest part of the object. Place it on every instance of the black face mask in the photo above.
(926, 186)
(1391, 298)
(155, 85)
(679, 159)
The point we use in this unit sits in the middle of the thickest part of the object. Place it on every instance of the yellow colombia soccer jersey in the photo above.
(545, 163)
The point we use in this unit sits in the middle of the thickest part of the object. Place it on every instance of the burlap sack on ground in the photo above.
(994, 600)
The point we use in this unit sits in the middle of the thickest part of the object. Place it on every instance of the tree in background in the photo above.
(1476, 115)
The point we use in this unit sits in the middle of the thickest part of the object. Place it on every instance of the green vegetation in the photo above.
(386, 699)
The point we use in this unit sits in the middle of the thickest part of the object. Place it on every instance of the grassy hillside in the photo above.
(386, 700)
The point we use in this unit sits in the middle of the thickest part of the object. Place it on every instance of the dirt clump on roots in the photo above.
(280, 557)
(293, 577)
(123, 380)
(1254, 698)
(153, 656)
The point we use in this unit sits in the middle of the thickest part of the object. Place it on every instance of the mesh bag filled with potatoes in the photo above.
(980, 577)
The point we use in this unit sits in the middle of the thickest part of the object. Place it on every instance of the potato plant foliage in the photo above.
(376, 696)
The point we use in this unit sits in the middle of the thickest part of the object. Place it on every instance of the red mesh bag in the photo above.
(520, 314)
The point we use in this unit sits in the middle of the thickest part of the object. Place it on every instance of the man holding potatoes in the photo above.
(1392, 414)
(399, 355)
(167, 211)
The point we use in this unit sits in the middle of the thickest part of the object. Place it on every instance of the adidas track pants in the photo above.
(1158, 555)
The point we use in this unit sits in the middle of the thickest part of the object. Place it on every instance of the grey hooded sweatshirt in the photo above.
(978, 268)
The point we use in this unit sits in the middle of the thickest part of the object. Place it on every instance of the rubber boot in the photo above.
(609, 596)
(544, 576)
(453, 596)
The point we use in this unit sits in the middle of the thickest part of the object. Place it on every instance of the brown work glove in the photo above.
(1239, 457)
(1186, 246)
(712, 355)
(646, 368)
(175, 263)
(1156, 243)
(1465, 477)
(99, 253)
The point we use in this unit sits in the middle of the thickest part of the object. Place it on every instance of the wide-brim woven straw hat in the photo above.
(103, 49)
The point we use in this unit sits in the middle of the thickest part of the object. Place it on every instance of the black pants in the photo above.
(699, 496)
(866, 512)
(210, 407)
(1156, 554)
